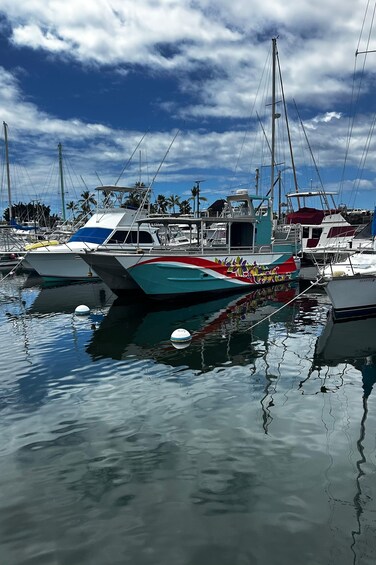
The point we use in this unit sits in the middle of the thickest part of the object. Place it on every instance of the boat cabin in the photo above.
(322, 227)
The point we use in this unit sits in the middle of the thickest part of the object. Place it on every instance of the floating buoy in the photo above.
(180, 338)
(82, 310)
(181, 345)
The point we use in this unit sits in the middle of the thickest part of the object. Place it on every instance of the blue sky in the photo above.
(97, 75)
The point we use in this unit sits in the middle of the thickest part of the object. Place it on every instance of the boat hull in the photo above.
(352, 297)
(60, 266)
(165, 276)
(342, 342)
(106, 266)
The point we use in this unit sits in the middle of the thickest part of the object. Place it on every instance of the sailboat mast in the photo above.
(7, 168)
(274, 56)
(61, 180)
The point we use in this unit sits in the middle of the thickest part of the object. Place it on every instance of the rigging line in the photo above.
(316, 282)
(354, 103)
(362, 28)
(364, 157)
(13, 270)
(131, 157)
(288, 129)
(370, 28)
(264, 132)
(310, 148)
(163, 160)
(148, 189)
(252, 110)
(352, 114)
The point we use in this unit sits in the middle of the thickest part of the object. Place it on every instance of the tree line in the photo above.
(85, 206)
(31, 212)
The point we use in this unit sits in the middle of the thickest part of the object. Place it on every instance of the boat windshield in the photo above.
(91, 235)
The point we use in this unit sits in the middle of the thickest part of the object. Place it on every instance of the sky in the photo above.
(168, 92)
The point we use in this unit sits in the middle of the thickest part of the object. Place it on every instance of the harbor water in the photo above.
(253, 445)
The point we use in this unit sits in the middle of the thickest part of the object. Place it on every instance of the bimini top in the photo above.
(310, 193)
(114, 188)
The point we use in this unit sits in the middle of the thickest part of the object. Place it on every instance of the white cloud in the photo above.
(114, 32)
(226, 45)
(317, 50)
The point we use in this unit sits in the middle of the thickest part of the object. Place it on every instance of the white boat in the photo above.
(248, 258)
(351, 286)
(16, 236)
(325, 232)
(323, 227)
(351, 283)
(352, 296)
(12, 240)
(107, 226)
(244, 255)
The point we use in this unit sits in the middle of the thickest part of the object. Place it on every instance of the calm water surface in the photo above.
(253, 446)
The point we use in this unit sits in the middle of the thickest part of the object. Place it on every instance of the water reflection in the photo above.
(352, 342)
(221, 328)
(114, 450)
(61, 298)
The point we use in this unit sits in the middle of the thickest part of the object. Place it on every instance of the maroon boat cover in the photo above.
(306, 216)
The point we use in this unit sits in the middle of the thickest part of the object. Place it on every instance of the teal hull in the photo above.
(162, 278)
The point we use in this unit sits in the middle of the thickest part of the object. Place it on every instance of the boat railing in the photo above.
(9, 241)
(334, 265)
(207, 250)
(288, 234)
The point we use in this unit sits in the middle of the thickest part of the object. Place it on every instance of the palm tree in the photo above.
(195, 192)
(108, 199)
(196, 197)
(172, 201)
(200, 199)
(73, 207)
(136, 198)
(133, 200)
(185, 207)
(86, 201)
(161, 203)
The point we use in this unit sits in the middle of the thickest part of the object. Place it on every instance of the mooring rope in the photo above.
(316, 282)
(10, 274)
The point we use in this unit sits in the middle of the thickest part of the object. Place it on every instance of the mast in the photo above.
(274, 116)
(61, 180)
(257, 178)
(7, 168)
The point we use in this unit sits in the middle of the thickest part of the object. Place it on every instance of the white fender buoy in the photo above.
(82, 310)
(180, 338)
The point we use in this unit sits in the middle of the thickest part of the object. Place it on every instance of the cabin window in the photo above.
(241, 234)
(91, 235)
(145, 237)
(316, 233)
(305, 232)
(341, 231)
(130, 237)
